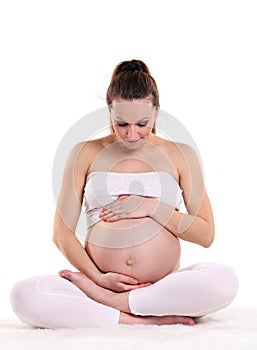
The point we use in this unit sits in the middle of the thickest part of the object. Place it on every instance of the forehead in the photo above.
(131, 111)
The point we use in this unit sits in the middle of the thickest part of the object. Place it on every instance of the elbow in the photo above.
(209, 238)
(56, 239)
(207, 243)
(60, 235)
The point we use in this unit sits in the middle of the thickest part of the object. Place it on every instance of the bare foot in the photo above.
(157, 320)
(87, 286)
(104, 296)
(119, 301)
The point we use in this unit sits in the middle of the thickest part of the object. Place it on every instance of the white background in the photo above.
(56, 62)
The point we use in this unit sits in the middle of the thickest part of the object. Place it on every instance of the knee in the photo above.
(226, 284)
(22, 299)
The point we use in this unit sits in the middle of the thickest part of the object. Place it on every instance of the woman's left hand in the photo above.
(128, 207)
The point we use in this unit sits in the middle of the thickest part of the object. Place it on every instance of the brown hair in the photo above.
(132, 80)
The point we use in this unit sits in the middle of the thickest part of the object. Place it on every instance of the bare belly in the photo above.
(140, 248)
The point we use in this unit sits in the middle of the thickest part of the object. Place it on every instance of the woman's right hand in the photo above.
(118, 282)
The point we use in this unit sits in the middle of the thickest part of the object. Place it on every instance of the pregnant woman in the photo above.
(130, 184)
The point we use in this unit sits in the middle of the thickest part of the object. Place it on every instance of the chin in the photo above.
(133, 144)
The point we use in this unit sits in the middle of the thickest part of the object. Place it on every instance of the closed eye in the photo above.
(142, 124)
(126, 124)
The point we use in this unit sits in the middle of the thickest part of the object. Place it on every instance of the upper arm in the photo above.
(71, 194)
(192, 183)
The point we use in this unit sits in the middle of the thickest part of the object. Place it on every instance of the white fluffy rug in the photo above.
(228, 329)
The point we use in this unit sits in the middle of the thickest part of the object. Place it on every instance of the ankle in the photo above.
(119, 301)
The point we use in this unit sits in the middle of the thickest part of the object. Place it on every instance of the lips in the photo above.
(134, 143)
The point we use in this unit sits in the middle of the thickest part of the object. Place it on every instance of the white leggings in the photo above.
(53, 302)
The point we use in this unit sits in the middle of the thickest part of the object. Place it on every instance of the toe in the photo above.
(189, 321)
(66, 274)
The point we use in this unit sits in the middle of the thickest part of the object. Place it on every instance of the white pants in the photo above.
(53, 302)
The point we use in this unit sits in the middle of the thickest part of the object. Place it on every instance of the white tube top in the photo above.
(102, 188)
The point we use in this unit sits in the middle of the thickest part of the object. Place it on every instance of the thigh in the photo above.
(193, 291)
(53, 302)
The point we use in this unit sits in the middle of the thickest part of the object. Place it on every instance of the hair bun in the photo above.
(131, 66)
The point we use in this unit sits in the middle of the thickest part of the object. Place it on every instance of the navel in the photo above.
(130, 262)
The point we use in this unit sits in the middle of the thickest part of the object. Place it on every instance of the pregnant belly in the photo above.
(136, 247)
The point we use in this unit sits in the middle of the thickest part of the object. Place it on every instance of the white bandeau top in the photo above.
(102, 188)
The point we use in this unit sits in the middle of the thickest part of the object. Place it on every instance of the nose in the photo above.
(132, 131)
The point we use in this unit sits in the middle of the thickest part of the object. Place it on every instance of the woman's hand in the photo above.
(129, 207)
(118, 282)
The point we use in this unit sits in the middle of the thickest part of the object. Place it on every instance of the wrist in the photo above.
(153, 205)
(93, 274)
(161, 212)
(97, 278)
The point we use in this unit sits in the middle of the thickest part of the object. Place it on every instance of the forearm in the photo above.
(75, 253)
(190, 228)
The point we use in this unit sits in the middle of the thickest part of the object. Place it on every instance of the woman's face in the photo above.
(133, 120)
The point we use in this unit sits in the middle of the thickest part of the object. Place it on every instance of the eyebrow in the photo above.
(138, 121)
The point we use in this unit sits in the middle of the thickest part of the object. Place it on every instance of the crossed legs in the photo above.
(120, 301)
(54, 302)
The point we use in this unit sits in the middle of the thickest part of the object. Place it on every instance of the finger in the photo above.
(122, 197)
(141, 285)
(106, 216)
(109, 209)
(115, 217)
(107, 213)
(128, 287)
(137, 286)
(127, 279)
(104, 212)
(112, 216)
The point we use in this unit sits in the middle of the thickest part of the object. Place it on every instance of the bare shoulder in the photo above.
(181, 155)
(176, 150)
(189, 167)
(184, 150)
(85, 152)
(181, 151)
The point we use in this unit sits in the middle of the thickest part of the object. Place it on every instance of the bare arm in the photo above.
(66, 218)
(75, 253)
(68, 211)
(192, 228)
(198, 225)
